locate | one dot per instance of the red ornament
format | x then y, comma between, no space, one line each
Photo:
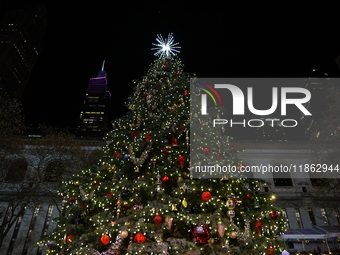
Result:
181,160
116,154
248,196
186,92
206,195
219,156
140,238
274,215
206,151
148,137
134,134
105,239
271,251
174,142
109,194
258,227
69,239
165,150
202,234
72,199
165,178
125,204
157,219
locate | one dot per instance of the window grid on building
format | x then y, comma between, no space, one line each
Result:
324,216
48,219
311,216
16,229
31,227
285,215
298,217
337,215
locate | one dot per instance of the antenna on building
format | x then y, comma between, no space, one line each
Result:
103,65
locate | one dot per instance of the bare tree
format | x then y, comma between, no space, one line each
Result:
11,127
33,168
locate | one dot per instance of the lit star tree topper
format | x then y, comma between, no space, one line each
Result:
165,47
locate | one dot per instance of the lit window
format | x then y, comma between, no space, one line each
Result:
298,217
284,215
337,215
324,216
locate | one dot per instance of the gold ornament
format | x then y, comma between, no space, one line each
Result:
76,182
159,189
231,214
184,203
174,208
173,108
124,234
230,204
113,168
136,169
224,180
211,240
154,161
233,234
184,187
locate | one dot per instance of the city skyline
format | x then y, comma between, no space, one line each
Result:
215,42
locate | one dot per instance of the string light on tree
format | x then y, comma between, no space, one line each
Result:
142,199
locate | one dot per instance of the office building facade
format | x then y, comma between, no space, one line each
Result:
21,41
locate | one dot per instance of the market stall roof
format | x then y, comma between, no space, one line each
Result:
317,232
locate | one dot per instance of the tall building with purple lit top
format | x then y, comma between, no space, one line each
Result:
93,120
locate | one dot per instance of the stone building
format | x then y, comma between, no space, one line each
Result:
29,200
309,199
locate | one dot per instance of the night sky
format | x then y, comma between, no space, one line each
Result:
236,40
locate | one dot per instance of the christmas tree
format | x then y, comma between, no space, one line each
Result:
142,197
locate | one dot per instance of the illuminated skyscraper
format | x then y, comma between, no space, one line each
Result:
93,120
318,84
21,39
